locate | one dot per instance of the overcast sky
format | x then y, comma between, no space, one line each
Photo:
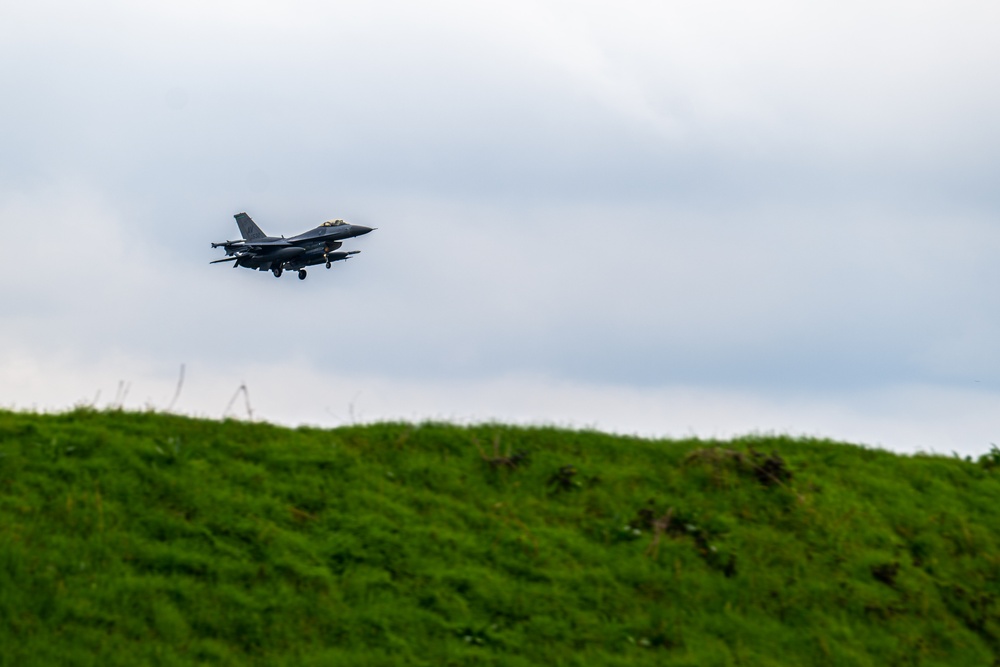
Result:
662,218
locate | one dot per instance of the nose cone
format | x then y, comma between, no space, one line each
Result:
360,230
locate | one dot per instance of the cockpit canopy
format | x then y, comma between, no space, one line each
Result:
333,223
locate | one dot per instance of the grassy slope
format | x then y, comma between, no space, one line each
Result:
149,539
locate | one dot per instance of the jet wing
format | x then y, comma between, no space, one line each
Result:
255,243
271,243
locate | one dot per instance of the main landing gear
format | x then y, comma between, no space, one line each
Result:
277,271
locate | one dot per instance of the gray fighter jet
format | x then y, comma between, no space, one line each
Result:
256,250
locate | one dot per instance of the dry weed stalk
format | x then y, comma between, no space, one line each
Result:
507,460
660,526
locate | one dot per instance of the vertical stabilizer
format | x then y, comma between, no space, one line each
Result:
248,227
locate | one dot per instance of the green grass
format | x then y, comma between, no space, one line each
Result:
139,538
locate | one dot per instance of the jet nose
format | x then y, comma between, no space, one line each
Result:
360,230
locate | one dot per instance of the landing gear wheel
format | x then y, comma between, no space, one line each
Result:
276,272
302,274
328,265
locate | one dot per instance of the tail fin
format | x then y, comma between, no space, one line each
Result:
248,227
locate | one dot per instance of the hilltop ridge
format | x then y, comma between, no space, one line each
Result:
142,538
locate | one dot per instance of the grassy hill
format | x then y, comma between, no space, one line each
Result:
132,538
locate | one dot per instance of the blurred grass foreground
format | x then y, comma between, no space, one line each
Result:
151,539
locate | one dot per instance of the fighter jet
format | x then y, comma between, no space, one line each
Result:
256,250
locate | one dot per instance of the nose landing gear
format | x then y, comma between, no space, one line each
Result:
327,249
302,274
276,272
